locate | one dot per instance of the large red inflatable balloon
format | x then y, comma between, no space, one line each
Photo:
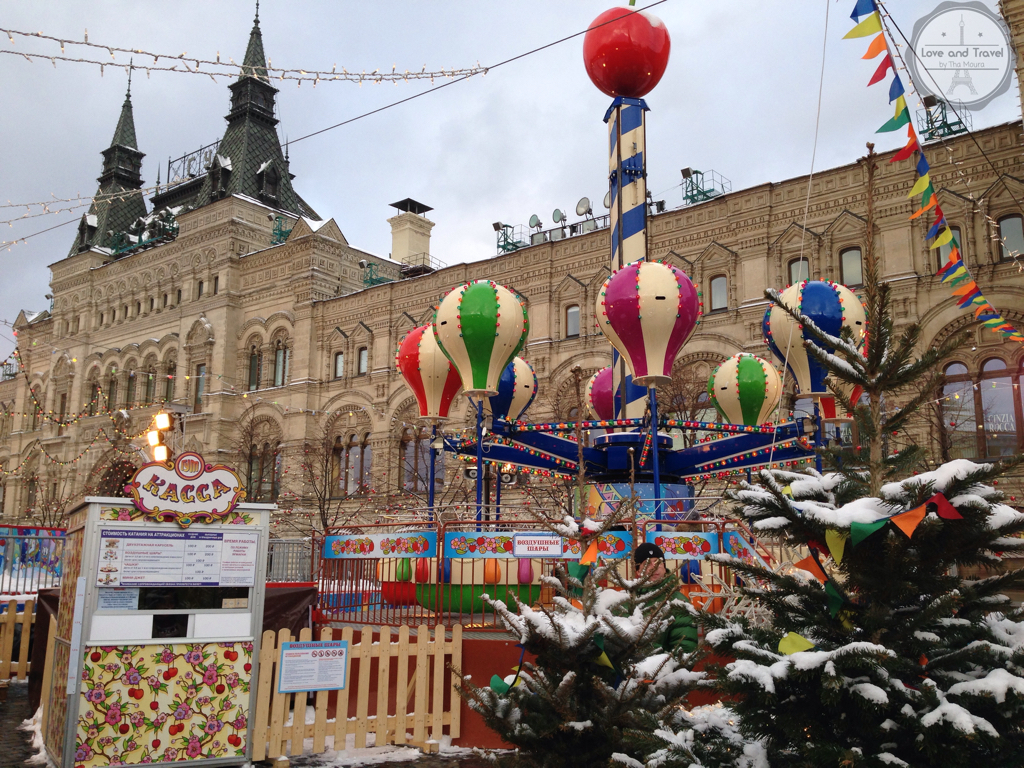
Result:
627,56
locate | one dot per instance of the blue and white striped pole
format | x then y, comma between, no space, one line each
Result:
627,177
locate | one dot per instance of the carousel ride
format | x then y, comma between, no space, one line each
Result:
647,310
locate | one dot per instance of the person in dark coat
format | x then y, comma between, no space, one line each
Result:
682,631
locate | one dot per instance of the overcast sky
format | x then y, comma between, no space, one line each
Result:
739,96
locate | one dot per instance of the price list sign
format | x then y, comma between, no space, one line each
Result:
177,558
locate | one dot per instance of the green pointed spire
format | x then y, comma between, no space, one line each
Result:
255,62
124,134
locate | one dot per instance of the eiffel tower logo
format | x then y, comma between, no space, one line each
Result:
961,77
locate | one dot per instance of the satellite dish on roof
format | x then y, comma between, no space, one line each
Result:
583,207
608,200
535,221
557,216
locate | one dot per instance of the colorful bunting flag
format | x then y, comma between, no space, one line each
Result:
870,26
895,89
882,69
810,565
863,8
942,239
877,46
908,150
860,531
835,600
836,541
590,556
908,521
794,643
920,185
943,508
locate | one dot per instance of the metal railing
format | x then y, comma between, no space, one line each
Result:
289,560
29,563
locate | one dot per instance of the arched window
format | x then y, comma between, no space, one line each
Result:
255,366
172,366
945,250
339,365
1011,237
264,470
415,453
353,464
719,293
982,414
572,321
34,409
200,387
129,396
851,268
112,392
282,358
364,360
95,393
150,385
799,270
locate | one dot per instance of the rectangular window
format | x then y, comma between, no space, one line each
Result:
169,387
165,299
178,300
200,387
130,394
200,291
339,364
150,386
280,355
152,302
62,412
572,321
798,271
1011,236
851,268
216,284
254,371
364,360
719,293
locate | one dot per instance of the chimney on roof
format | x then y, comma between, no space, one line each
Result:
410,233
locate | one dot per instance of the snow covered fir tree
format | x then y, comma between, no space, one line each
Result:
876,651
610,666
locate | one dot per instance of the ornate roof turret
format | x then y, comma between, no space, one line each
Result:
118,202
249,159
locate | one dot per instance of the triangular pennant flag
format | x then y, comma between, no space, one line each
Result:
895,123
943,508
922,165
895,88
590,556
959,270
901,107
923,208
880,72
907,151
836,541
966,289
908,521
959,279
876,47
945,237
939,224
860,531
810,565
794,643
920,186
870,26
863,8
969,298
498,685
835,600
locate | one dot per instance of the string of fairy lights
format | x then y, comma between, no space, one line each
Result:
216,67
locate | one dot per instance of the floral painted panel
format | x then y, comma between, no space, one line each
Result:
128,514
171,703
57,709
72,569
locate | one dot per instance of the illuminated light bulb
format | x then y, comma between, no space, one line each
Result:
160,453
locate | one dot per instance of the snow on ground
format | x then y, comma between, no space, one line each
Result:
35,729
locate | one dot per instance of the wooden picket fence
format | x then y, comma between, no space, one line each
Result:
423,686
10,618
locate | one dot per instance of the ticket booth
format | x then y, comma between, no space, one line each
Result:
160,617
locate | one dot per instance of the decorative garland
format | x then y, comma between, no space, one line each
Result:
954,272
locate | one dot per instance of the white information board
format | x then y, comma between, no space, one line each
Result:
154,558
118,599
536,545
313,666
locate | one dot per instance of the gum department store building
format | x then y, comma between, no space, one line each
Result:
231,299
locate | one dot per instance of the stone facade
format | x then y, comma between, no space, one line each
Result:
244,335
